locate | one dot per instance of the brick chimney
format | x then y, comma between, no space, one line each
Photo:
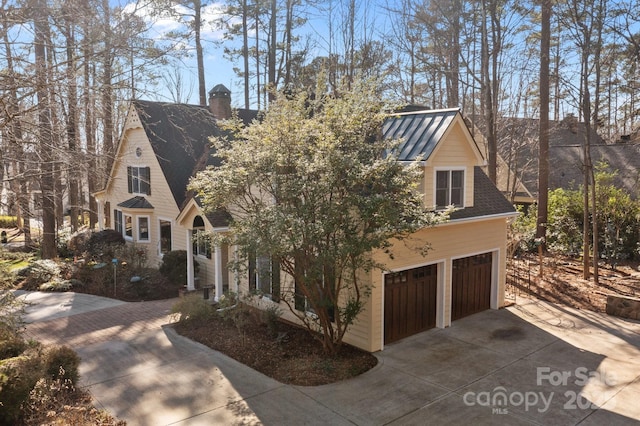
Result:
220,102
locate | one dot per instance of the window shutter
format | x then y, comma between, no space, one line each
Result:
129,180
275,279
252,270
147,180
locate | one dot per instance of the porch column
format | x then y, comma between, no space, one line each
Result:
100,208
190,272
217,252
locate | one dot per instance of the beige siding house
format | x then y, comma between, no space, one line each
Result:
463,272
146,198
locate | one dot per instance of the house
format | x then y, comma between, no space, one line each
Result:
519,147
162,145
145,198
464,272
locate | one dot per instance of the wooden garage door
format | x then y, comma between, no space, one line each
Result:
471,285
409,302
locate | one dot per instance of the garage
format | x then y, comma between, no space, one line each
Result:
409,302
471,285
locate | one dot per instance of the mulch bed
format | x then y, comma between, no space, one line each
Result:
291,355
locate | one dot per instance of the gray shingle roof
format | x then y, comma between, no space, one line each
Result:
420,131
519,146
487,199
136,202
566,165
179,135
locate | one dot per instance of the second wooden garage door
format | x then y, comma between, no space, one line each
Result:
471,285
409,302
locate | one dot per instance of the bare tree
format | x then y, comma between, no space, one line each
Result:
39,13
543,149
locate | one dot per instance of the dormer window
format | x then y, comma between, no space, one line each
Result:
139,180
449,188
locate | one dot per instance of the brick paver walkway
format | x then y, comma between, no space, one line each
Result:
116,323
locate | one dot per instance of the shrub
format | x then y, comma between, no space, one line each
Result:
57,285
96,279
18,376
63,239
58,402
6,277
11,343
192,307
174,267
151,285
8,221
103,245
46,398
241,313
522,232
11,311
133,256
61,362
78,242
271,317
38,273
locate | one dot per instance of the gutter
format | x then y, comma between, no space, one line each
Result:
480,218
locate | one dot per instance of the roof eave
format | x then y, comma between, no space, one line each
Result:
480,218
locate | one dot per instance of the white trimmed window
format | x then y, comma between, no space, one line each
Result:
117,220
264,276
449,188
139,180
143,228
128,227
165,236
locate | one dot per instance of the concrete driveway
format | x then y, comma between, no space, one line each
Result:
532,363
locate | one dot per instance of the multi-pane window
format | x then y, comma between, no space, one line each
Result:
128,227
449,188
325,293
139,180
117,218
165,236
143,228
201,243
264,276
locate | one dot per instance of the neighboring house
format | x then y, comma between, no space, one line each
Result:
463,273
519,142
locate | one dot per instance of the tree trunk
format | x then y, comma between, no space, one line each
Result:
245,51
72,125
197,27
13,138
543,155
453,74
107,92
589,177
586,273
492,151
258,70
89,127
48,245
273,41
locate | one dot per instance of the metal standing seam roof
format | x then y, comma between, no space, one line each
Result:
420,131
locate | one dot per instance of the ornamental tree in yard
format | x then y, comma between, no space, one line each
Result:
315,189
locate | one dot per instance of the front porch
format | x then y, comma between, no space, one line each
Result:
209,274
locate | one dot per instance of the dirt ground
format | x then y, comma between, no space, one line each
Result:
562,281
